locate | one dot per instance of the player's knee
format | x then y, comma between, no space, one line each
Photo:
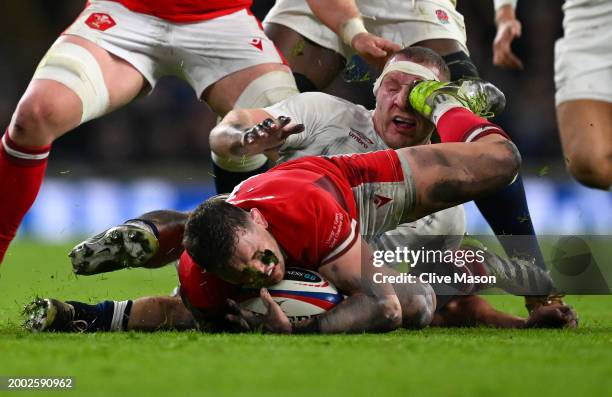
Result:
592,167
34,121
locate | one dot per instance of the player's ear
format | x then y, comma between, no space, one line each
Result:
258,217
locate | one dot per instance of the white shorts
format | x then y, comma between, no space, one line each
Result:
399,22
583,64
200,53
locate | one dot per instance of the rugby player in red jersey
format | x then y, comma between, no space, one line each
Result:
117,50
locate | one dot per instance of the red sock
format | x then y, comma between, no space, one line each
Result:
461,125
21,173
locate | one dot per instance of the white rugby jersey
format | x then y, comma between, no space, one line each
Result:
335,126
403,10
586,14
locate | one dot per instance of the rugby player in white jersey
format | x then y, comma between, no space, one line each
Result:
117,50
333,126
583,80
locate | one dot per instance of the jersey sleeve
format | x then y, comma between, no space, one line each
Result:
336,229
310,109
203,293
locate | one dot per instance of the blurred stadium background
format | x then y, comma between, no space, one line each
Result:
154,153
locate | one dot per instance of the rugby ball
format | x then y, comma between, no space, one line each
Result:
301,295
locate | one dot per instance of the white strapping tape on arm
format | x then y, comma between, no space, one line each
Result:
352,28
76,68
407,67
500,3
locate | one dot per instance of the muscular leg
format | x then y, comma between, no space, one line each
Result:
472,311
169,226
223,94
147,314
156,313
584,126
46,111
318,65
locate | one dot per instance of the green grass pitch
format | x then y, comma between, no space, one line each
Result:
432,362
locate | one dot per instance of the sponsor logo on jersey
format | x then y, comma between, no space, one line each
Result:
442,16
379,200
361,138
334,235
257,43
100,21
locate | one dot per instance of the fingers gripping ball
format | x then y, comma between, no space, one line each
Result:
302,294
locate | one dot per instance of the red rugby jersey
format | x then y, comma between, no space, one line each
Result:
310,209
185,10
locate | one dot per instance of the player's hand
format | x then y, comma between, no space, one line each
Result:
552,316
503,57
373,49
275,320
269,134
243,320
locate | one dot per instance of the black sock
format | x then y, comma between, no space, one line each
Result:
225,181
105,316
507,212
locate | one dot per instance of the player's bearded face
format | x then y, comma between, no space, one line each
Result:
394,120
257,262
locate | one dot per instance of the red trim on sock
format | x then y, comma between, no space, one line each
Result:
25,149
457,124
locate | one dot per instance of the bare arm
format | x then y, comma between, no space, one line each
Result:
370,306
247,132
344,18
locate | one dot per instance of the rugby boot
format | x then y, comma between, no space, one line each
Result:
52,315
481,97
513,275
119,247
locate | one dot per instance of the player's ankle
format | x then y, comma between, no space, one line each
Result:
104,316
